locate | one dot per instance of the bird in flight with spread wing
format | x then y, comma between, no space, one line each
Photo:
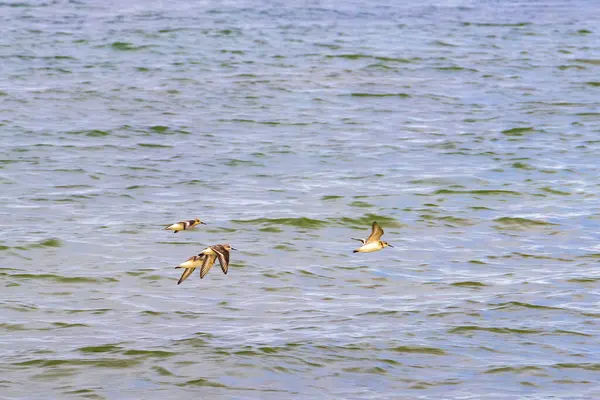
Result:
205,260
373,242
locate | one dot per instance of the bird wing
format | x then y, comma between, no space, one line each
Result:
186,224
376,233
223,255
360,240
207,264
190,266
187,272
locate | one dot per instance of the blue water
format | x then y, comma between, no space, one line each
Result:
467,129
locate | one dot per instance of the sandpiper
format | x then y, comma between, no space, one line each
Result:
373,242
183,225
205,260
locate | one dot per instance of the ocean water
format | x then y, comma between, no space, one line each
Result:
470,130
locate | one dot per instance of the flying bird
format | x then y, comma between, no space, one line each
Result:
373,242
183,225
205,260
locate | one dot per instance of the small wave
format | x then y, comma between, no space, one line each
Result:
106,348
517,131
516,370
62,279
302,222
586,366
90,133
100,363
520,223
472,284
474,328
448,220
483,192
126,46
518,304
403,95
155,145
202,382
52,242
418,349
378,58
367,219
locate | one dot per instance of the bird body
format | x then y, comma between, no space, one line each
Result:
373,242
205,260
184,225
370,247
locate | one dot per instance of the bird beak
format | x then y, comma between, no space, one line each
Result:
389,245
233,249
203,223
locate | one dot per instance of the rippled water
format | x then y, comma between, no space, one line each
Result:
468,129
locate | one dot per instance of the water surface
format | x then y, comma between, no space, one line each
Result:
468,130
